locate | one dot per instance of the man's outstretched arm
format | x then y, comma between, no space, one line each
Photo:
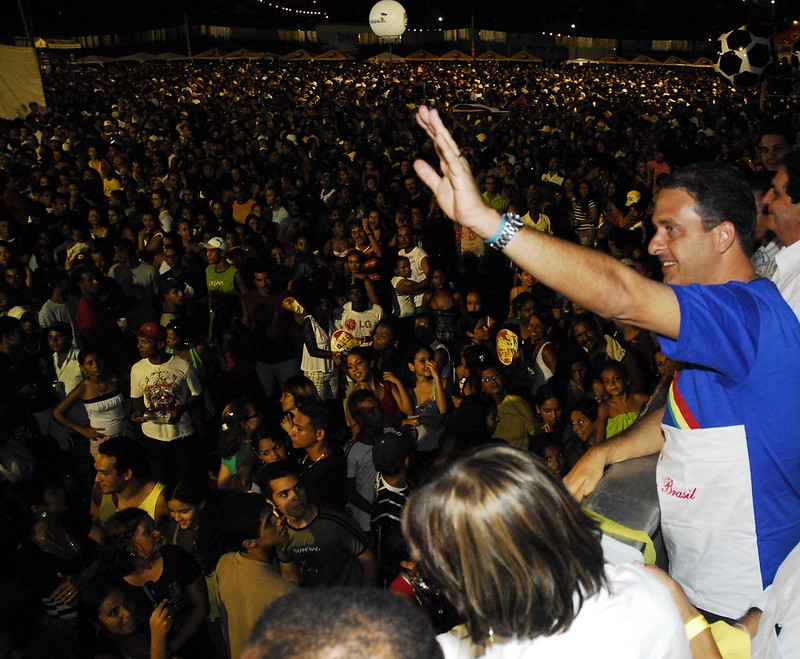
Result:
593,280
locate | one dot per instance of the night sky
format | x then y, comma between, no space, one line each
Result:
621,18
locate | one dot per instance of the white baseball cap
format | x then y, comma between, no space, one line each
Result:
216,243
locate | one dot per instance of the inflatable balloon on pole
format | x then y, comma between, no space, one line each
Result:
744,58
388,20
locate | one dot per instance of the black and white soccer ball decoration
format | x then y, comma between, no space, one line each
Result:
744,58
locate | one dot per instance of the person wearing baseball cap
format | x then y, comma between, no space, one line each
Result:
223,279
216,243
634,215
392,456
163,387
358,315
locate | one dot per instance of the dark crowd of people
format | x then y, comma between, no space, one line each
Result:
237,331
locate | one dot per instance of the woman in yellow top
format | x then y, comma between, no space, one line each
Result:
515,417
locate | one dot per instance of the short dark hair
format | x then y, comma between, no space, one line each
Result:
8,325
126,246
60,327
238,517
274,471
318,413
358,397
586,406
128,455
81,270
521,299
775,128
346,622
792,164
721,194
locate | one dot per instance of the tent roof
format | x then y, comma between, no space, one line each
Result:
386,56
137,57
214,53
644,59
491,55
95,59
332,55
297,55
611,58
246,53
421,54
455,54
171,57
676,61
703,61
524,56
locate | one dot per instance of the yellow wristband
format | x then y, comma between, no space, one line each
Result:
695,626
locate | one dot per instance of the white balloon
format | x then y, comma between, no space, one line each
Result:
388,18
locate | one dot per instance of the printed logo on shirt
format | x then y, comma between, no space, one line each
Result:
678,494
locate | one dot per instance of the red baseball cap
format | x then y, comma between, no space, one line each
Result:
152,330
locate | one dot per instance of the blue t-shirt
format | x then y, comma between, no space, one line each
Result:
729,477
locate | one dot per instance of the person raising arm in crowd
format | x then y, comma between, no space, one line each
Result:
704,217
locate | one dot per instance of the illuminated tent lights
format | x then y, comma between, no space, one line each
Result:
297,11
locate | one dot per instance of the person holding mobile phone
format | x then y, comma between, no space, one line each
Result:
114,617
151,572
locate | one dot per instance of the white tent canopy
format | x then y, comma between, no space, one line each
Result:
20,81
387,57
137,57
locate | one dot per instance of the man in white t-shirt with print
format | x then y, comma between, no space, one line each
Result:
359,316
163,387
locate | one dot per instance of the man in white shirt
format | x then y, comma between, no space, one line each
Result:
358,316
163,387
418,257
160,201
783,202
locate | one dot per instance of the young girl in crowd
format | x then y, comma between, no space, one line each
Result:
388,389
443,304
318,361
102,396
430,401
549,410
540,353
114,617
621,407
270,445
523,283
189,501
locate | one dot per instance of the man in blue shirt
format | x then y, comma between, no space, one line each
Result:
730,455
